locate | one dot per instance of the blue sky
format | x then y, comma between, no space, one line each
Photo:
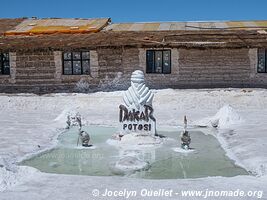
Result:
138,10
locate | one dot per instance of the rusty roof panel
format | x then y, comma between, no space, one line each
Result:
181,26
151,26
137,27
7,24
177,26
261,23
220,25
192,26
49,26
164,26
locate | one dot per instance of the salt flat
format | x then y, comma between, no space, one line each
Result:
27,121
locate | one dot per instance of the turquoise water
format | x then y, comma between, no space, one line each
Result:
208,158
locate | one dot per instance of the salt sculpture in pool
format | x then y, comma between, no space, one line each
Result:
137,113
185,137
137,127
74,120
83,136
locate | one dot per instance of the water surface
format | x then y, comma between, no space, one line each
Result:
208,159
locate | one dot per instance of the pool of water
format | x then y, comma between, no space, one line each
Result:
208,158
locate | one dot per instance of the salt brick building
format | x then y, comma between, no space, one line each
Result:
56,55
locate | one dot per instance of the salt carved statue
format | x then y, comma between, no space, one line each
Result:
74,120
136,115
185,137
84,137
79,120
68,122
138,94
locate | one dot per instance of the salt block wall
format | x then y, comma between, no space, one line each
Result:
35,68
216,67
198,68
110,62
190,68
28,71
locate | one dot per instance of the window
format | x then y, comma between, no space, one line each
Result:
76,63
262,68
4,64
158,61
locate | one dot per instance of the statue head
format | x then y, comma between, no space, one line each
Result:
137,77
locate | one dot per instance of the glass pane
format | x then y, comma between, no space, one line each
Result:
6,68
86,67
158,61
76,55
67,67
67,56
5,56
85,55
261,60
167,62
77,67
150,61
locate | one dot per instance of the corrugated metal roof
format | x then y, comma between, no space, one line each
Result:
50,26
8,24
166,26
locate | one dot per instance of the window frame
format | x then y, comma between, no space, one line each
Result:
162,61
2,62
72,60
258,61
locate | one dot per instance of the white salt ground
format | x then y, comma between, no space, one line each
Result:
30,124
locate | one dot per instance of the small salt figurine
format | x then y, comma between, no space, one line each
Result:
68,122
79,120
185,136
84,137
